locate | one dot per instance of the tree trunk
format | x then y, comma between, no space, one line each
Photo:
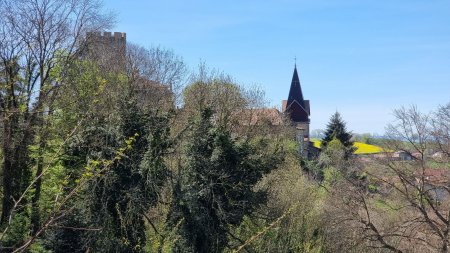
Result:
445,241
16,172
7,203
36,216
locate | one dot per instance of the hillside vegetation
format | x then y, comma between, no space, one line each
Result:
139,155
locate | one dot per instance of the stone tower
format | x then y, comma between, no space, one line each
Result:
107,49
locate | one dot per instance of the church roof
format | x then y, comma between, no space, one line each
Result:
260,116
297,108
295,92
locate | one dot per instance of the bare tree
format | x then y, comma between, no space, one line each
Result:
37,36
441,133
406,206
215,90
156,65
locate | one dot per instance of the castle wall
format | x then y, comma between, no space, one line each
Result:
108,49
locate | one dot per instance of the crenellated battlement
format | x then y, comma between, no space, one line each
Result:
107,48
107,35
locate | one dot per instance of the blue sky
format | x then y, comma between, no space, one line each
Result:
362,58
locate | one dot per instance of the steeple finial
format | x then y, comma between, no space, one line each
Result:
295,61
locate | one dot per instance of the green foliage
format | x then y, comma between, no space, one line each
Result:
331,176
17,232
38,247
88,93
336,129
215,188
334,151
294,199
372,188
121,198
123,163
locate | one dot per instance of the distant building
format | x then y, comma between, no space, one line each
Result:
435,183
295,106
260,116
107,49
151,94
297,109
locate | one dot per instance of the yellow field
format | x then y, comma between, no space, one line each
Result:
361,148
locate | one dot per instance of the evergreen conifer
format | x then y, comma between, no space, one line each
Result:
216,186
336,129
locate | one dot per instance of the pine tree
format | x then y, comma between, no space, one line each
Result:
216,187
116,200
336,129
134,182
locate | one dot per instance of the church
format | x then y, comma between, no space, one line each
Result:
294,116
297,110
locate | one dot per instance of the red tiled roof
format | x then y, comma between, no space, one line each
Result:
251,117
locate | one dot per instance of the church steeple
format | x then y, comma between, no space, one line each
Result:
296,106
296,109
295,92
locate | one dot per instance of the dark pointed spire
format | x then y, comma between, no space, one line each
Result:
296,106
295,92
